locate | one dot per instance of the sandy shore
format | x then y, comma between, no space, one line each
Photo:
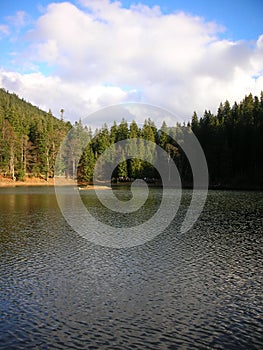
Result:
95,187
35,181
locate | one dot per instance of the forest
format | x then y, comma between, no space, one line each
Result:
232,141
29,138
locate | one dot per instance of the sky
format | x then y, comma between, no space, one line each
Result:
84,55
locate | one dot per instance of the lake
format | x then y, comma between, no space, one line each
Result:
198,290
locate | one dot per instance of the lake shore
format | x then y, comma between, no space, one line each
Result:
29,181
36,181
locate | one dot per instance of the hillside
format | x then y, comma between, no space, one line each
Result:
29,138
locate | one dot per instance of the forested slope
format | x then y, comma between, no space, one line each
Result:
232,140
29,138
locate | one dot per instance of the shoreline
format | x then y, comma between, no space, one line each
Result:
8,182
36,181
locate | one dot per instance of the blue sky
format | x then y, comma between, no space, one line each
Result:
95,52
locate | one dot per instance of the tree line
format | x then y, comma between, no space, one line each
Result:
231,140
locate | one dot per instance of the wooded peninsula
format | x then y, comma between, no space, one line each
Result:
232,141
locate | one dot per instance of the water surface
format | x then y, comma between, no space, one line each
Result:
199,290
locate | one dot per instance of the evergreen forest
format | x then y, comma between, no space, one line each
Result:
29,138
232,141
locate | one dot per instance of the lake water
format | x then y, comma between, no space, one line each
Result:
199,290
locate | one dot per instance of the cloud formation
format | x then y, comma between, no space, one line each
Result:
4,30
101,53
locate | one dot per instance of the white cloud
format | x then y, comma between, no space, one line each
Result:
53,93
14,25
4,30
19,20
102,53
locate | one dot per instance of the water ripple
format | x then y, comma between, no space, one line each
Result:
197,291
